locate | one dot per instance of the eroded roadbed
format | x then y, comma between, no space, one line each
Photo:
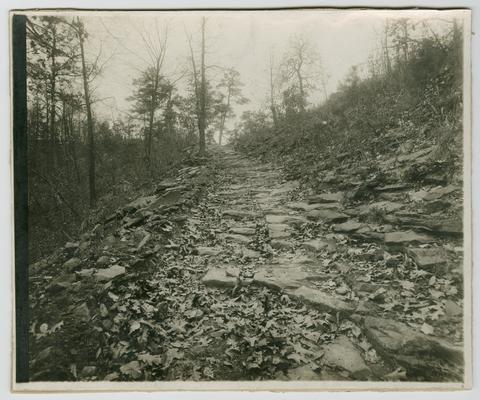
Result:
229,272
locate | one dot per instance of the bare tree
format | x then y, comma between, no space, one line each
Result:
386,53
301,63
156,50
273,106
203,95
91,138
55,64
231,85
200,88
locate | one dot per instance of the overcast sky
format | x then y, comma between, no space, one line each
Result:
240,39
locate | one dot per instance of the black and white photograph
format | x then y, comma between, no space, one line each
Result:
257,199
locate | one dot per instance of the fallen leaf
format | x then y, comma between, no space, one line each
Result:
170,356
131,369
56,327
427,329
436,294
400,374
407,285
44,328
150,359
134,326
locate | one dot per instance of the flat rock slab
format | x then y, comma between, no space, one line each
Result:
294,259
326,198
252,254
243,231
176,189
72,264
81,312
38,266
300,206
322,300
70,247
278,231
131,222
418,195
331,177
452,309
236,238
166,183
326,206
261,194
349,226
315,245
232,193
103,260
280,279
260,190
141,202
208,251
398,338
218,277
239,214
62,282
303,373
385,206
391,188
329,216
284,219
418,156
368,234
267,204
449,227
427,258
107,274
281,244
342,354
406,237
236,186
440,191
274,210
436,206
276,219
85,273
232,271
285,188
395,197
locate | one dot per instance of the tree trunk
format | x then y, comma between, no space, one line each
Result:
222,124
91,139
151,116
71,128
36,133
148,141
170,118
324,87
224,116
388,64
273,107
64,132
302,91
203,95
53,83
405,42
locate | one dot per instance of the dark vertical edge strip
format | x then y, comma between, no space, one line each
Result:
20,195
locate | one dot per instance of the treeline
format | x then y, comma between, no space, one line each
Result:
410,89
82,166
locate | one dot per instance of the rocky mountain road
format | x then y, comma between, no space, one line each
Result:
231,272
